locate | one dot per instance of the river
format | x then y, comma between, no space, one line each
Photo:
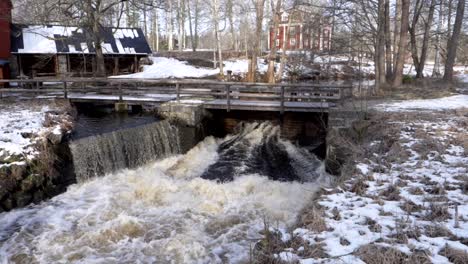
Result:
172,210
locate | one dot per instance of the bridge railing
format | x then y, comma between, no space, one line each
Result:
123,89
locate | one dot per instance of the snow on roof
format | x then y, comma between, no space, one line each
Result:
39,39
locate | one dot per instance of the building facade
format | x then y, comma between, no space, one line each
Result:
298,30
30,51
5,32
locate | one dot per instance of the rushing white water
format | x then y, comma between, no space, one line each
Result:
160,213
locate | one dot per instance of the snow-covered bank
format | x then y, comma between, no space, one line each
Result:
30,133
172,68
439,104
405,200
22,124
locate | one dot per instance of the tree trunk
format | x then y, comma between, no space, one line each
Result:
388,41
215,10
259,11
272,56
229,11
436,70
284,57
170,41
401,54
197,12
425,44
452,44
380,47
192,40
396,36
412,30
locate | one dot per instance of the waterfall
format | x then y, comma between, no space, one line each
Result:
258,148
126,148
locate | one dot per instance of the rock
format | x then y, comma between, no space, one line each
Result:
32,181
8,204
55,138
22,199
26,134
38,196
18,171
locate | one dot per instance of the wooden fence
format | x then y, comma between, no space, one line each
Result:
169,89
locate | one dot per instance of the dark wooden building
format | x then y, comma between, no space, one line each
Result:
58,51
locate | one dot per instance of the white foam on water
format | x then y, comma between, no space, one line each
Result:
160,213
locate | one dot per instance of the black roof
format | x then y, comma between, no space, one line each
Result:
51,39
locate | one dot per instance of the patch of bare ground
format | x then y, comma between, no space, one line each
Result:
427,88
454,255
312,218
376,254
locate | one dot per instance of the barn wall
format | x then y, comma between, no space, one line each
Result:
5,19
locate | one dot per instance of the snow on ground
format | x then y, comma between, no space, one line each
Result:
22,125
172,68
16,127
169,68
405,195
445,103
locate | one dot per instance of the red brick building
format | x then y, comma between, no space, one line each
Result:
299,30
5,19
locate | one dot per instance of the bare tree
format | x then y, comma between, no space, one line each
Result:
272,56
452,44
403,39
259,6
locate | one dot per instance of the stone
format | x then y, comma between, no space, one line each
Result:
31,182
121,107
22,199
187,114
38,196
55,138
18,171
7,204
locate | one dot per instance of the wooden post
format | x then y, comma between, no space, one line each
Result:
228,97
282,100
120,92
116,65
65,92
136,64
178,91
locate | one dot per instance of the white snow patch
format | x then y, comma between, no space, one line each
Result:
445,103
16,121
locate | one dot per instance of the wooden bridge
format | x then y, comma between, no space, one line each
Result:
282,97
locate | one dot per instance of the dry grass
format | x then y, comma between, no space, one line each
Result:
437,231
375,254
455,256
359,186
437,212
311,218
410,207
391,193
373,226
416,191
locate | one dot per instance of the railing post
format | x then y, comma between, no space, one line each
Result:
178,92
282,100
120,92
65,92
228,97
